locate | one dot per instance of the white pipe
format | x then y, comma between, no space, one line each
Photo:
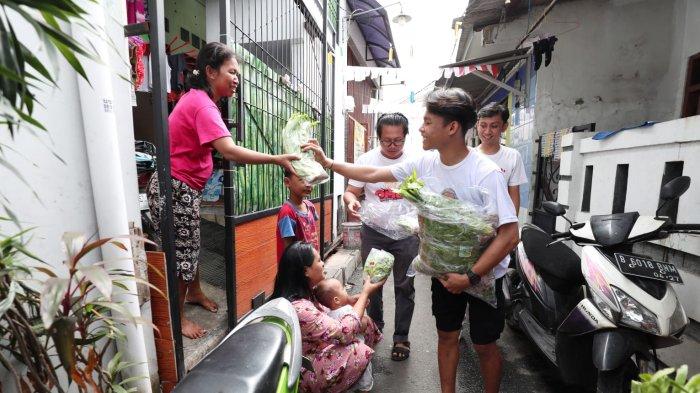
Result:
100,127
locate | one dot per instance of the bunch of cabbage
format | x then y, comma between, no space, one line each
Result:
297,132
378,265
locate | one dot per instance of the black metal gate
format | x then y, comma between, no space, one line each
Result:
279,45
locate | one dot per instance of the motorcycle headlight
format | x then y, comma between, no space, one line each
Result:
600,290
602,305
678,319
634,315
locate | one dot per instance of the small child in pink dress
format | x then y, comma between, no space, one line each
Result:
332,294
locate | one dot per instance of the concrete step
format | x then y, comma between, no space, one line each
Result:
342,264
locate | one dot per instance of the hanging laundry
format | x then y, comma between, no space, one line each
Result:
136,11
137,49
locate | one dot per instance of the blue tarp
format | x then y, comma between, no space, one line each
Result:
606,134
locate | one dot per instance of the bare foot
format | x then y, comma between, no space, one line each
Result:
191,329
201,299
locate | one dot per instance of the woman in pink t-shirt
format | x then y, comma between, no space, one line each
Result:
196,129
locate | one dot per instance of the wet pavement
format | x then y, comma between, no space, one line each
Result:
524,369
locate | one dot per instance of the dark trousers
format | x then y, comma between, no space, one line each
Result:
404,251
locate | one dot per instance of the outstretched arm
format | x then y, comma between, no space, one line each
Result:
363,173
232,152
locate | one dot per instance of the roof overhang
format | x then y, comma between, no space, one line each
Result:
472,75
376,31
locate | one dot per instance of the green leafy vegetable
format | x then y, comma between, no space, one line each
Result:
453,233
295,133
378,265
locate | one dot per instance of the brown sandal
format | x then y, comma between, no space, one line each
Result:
401,351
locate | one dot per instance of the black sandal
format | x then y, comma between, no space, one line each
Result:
400,351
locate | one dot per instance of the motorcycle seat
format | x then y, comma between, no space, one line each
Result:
249,361
558,265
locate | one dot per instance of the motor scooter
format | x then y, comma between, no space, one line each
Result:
262,354
145,157
598,317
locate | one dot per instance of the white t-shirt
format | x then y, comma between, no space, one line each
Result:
474,170
511,164
381,204
374,157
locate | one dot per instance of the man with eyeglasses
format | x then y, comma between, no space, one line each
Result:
392,129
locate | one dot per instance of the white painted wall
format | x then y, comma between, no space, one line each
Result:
617,63
64,192
646,150
64,200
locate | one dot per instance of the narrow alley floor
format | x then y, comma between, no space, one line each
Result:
525,369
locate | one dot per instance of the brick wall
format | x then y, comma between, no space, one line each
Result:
256,257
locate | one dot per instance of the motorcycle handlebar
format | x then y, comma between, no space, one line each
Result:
682,227
559,235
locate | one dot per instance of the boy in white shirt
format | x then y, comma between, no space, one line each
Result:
492,121
454,168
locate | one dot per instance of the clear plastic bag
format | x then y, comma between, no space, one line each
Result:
453,233
396,219
296,133
378,265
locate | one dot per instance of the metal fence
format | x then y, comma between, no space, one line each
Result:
279,45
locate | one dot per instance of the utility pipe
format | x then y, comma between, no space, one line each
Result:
107,179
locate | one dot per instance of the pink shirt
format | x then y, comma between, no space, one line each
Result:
194,123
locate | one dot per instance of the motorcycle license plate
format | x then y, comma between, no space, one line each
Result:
647,268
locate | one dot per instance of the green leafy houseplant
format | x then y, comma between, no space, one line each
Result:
661,382
67,322
20,69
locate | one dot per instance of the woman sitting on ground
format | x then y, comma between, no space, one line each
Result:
337,355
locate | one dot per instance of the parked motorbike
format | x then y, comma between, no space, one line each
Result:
261,355
600,317
145,157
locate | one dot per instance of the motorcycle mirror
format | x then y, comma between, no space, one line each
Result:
675,188
578,225
672,190
554,208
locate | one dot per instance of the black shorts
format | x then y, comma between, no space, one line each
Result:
485,322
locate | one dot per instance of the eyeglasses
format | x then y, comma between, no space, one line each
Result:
389,142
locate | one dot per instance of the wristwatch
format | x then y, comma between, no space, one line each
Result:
474,279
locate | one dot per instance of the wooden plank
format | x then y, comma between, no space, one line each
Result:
160,309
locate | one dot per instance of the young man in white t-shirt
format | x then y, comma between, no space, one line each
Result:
492,121
392,129
453,167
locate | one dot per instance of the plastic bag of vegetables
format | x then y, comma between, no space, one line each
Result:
453,233
297,132
378,265
396,219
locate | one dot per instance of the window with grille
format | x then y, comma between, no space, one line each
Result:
691,97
